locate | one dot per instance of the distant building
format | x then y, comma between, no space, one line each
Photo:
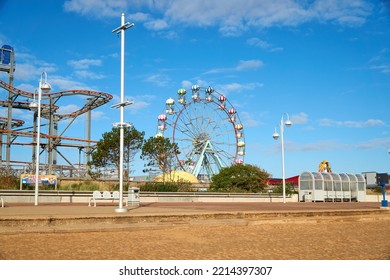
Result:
374,179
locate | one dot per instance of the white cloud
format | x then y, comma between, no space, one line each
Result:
98,115
248,120
138,105
30,68
158,79
186,84
323,145
263,44
237,87
334,145
348,13
249,64
355,124
242,65
374,144
156,25
27,87
64,83
231,17
139,17
381,61
84,63
67,109
96,8
89,75
300,118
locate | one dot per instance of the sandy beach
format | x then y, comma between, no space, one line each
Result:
340,237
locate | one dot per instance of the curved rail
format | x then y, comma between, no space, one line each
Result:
98,99
15,122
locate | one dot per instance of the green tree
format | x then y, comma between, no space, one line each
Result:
240,178
160,154
106,154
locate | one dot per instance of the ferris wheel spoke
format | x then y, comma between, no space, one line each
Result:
222,133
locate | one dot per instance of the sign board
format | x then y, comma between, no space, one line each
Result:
29,179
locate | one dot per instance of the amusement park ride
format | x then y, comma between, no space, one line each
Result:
206,128
54,139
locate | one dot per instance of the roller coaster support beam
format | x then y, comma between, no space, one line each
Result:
10,100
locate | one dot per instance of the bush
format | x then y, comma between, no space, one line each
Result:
167,187
8,179
82,186
278,188
240,178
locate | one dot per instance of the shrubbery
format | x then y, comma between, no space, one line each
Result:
8,180
240,178
166,187
82,186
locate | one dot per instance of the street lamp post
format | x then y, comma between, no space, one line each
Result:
45,87
384,203
283,123
121,29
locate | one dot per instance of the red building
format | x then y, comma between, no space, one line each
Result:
278,181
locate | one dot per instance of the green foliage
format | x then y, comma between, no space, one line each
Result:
160,154
82,186
41,187
240,178
167,187
289,188
107,152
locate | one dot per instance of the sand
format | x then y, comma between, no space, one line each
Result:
327,238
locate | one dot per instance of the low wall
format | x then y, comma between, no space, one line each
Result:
109,184
84,197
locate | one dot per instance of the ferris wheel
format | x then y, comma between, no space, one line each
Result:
206,128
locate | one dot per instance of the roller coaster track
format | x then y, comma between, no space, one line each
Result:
96,100
45,136
49,111
15,122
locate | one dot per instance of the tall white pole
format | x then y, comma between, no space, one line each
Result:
122,124
38,143
283,176
122,113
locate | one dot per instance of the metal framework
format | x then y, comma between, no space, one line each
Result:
53,139
207,130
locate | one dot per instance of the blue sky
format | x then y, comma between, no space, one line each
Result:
326,63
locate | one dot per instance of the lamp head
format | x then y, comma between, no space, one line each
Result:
275,135
45,87
288,123
33,105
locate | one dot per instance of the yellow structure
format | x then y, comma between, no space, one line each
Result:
324,167
177,176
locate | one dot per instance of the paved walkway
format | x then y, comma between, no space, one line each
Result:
19,210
